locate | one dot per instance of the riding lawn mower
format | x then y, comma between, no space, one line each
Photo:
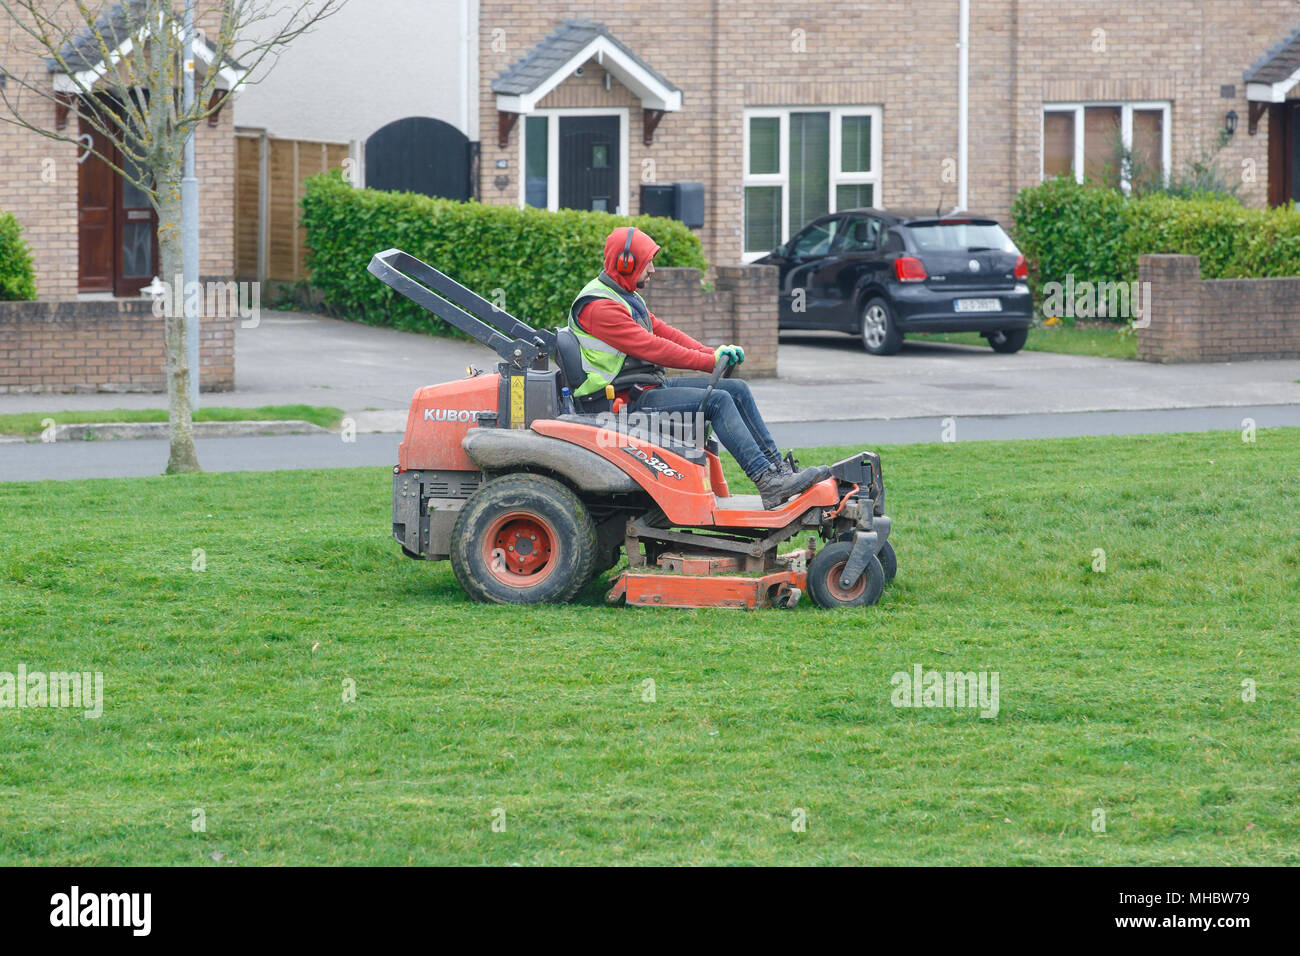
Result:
530,498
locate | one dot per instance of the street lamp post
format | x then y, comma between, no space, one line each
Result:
190,215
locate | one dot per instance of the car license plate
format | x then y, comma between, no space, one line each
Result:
978,305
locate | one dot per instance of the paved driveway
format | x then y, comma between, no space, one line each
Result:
829,376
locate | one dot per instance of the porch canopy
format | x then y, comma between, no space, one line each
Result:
1272,78
523,85
123,29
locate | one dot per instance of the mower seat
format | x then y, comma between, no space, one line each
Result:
568,356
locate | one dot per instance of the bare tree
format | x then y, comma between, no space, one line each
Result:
118,66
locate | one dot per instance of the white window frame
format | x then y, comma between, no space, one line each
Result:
553,152
837,176
1125,132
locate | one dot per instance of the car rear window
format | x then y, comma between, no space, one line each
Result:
961,237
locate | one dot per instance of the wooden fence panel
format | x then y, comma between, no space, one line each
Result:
273,248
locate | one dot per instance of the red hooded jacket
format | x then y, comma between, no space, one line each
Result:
610,322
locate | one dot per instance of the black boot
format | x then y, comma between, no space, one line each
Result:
776,488
789,465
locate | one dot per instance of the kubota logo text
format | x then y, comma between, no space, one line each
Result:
653,462
449,415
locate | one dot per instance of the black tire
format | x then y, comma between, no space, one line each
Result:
888,561
606,557
878,330
1008,340
518,512
824,573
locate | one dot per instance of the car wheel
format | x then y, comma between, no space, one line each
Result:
1008,341
880,336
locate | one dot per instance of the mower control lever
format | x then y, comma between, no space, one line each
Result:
719,370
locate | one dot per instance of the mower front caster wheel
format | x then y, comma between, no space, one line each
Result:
888,561
523,539
824,578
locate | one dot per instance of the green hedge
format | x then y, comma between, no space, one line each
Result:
1096,234
538,259
17,278
1063,228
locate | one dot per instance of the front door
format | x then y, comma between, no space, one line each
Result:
96,202
590,164
117,229
1283,153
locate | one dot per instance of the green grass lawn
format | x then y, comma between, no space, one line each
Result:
30,423
1100,341
224,688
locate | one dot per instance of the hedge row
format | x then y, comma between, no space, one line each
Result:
538,259
17,278
1096,234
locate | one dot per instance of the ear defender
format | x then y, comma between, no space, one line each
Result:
626,262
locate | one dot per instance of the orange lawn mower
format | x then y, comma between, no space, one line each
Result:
531,500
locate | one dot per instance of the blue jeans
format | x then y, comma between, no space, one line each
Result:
731,410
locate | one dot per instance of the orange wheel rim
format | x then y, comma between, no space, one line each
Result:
519,549
845,595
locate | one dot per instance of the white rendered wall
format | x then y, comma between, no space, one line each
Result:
372,62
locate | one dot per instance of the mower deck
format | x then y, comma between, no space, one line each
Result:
702,580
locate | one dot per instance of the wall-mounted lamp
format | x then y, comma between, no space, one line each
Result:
1230,122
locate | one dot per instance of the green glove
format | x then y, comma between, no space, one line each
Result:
734,353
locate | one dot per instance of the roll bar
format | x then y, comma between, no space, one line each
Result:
516,342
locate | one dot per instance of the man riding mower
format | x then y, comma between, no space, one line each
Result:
625,345
521,479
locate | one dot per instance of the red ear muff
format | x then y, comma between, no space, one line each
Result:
626,262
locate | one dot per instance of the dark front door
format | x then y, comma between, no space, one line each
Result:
96,202
1284,153
117,229
590,166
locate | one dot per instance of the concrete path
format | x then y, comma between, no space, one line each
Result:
119,459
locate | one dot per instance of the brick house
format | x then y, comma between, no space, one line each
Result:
90,231
787,112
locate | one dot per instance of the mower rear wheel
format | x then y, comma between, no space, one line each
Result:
824,578
523,539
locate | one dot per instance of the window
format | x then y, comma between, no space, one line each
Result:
804,163
815,240
535,160
958,236
860,235
1113,143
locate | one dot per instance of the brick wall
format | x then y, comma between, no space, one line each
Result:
101,346
741,310
1219,320
899,55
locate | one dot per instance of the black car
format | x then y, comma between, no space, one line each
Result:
880,275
